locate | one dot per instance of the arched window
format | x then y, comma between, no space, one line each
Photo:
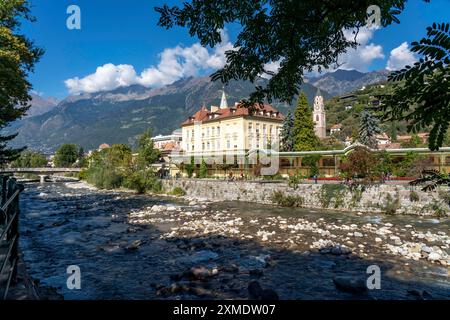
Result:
317,118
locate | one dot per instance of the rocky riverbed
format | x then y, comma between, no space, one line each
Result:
146,247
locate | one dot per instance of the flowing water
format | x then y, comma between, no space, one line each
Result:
147,258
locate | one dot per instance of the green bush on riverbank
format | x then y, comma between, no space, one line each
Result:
115,167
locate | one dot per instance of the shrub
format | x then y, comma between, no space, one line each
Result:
142,181
279,198
391,205
295,180
203,170
445,195
330,192
413,196
178,191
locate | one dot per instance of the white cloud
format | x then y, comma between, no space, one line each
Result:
175,63
359,58
362,56
400,57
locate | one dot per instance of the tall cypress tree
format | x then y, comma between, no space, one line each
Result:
303,131
368,129
287,137
17,58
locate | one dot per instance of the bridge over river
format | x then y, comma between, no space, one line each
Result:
41,172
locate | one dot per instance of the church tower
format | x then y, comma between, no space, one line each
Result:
319,116
223,102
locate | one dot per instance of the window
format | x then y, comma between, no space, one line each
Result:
203,146
207,146
228,144
192,147
218,145
212,131
264,129
218,131
207,132
317,118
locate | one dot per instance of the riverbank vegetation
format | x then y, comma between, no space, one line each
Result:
117,166
30,159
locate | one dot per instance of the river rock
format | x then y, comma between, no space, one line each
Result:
254,290
198,273
134,245
426,249
433,256
357,234
350,284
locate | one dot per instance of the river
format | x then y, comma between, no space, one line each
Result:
146,247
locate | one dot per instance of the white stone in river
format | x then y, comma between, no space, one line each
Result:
358,234
378,240
433,256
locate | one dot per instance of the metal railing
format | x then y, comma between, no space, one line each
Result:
9,233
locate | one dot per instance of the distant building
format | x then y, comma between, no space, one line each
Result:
168,142
348,141
407,138
319,116
383,139
230,130
335,128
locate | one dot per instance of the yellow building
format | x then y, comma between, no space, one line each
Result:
230,130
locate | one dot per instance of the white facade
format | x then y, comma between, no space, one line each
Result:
161,141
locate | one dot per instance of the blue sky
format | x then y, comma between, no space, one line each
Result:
122,38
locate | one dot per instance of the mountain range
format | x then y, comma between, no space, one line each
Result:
340,81
40,105
120,115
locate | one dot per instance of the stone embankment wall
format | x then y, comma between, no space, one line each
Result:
391,199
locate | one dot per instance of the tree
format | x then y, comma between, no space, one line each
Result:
359,164
298,35
147,153
190,167
303,131
422,91
66,155
312,162
415,142
332,143
30,159
368,130
287,138
203,170
18,56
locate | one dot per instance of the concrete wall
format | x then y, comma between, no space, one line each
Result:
393,199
